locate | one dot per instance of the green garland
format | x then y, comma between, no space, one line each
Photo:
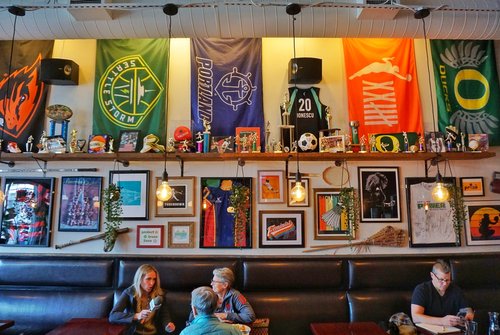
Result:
240,203
112,206
350,205
458,210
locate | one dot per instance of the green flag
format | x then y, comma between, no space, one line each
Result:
130,85
467,87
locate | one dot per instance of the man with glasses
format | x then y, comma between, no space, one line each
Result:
439,301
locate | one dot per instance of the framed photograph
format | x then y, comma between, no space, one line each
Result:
271,186
430,223
481,225
293,203
478,142
134,186
222,144
27,212
379,189
128,140
182,202
150,236
281,229
330,219
434,141
226,212
247,139
181,234
332,143
472,186
80,208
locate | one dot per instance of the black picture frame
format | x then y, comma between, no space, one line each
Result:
379,190
134,191
430,223
129,140
79,206
27,212
281,229
216,206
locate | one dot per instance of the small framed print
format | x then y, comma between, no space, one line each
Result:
181,234
293,203
331,220
80,204
281,229
333,143
478,142
134,186
182,202
247,139
222,144
434,141
481,224
150,236
472,186
271,188
98,144
128,140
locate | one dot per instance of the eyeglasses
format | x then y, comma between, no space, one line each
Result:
441,280
216,281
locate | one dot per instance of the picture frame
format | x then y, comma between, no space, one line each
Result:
183,201
330,220
134,186
281,229
434,141
478,142
422,210
27,212
481,224
293,203
379,191
270,184
226,202
80,204
222,144
181,234
150,236
472,186
331,143
128,140
247,139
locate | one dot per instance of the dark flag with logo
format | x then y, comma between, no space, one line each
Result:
130,86
467,87
22,94
226,85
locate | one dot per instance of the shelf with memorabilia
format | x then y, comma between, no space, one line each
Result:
207,157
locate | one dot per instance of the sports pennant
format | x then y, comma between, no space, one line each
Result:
382,85
467,87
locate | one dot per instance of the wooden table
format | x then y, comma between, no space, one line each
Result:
4,324
347,328
88,327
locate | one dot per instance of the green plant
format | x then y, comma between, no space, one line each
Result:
458,210
240,204
112,206
350,205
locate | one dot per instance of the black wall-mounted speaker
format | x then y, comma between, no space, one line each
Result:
57,71
305,70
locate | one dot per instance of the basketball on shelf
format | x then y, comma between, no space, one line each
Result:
308,142
182,133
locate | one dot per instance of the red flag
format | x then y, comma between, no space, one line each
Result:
382,85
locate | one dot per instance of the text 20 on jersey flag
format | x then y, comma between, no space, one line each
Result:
467,87
382,85
130,86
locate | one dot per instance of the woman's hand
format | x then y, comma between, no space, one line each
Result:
222,317
142,315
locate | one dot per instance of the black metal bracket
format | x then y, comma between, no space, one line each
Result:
434,161
181,164
9,163
123,162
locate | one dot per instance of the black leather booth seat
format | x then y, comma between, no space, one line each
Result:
42,292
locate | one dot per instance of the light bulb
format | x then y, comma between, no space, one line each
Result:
440,192
298,192
164,191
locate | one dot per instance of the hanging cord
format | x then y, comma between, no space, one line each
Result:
240,165
168,89
429,76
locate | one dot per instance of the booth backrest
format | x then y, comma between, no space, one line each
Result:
40,293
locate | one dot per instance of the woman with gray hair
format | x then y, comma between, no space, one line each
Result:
232,306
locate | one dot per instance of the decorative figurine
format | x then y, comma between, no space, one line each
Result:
42,145
348,147
421,141
464,147
72,143
278,147
362,146
80,143
405,142
268,133
12,147
199,142
171,144
206,136
373,144
110,145
29,144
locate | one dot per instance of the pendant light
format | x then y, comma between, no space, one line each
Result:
298,192
16,11
164,191
439,192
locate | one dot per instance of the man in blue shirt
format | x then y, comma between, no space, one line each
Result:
203,305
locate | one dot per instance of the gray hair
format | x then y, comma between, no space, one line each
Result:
204,299
441,266
225,274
